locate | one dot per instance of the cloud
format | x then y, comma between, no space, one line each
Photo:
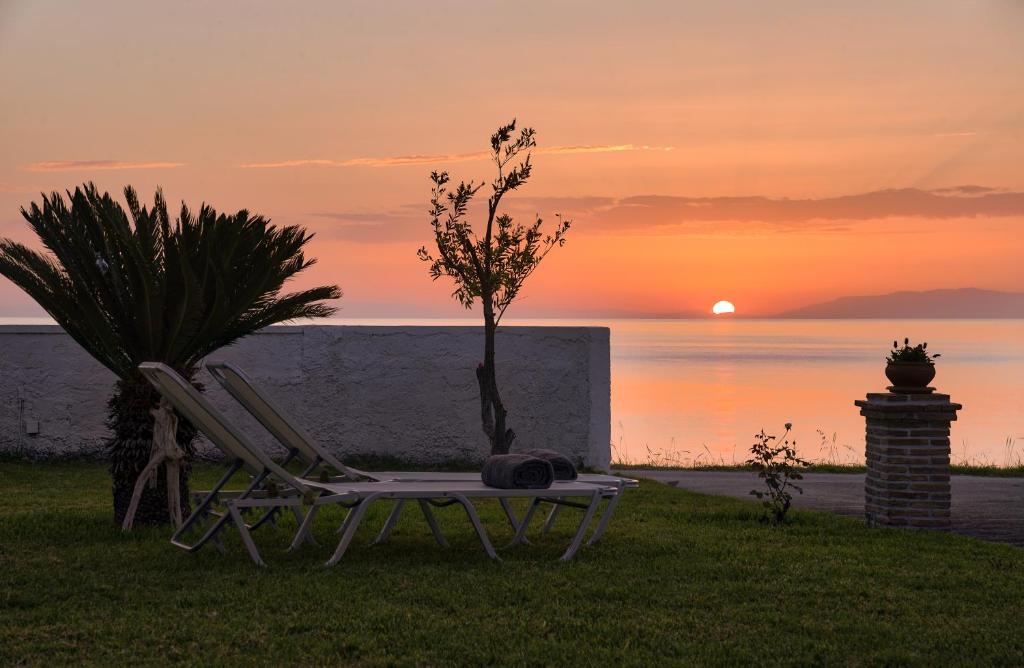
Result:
647,211
612,148
431,159
95,165
967,190
380,227
666,214
393,161
411,222
568,206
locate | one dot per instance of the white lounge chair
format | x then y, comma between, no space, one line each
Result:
240,386
295,492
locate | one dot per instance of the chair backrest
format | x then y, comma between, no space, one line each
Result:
270,415
207,419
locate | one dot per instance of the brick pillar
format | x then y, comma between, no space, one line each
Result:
907,483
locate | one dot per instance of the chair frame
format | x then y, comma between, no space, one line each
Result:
358,497
269,414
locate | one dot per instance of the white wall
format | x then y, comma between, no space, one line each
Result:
403,391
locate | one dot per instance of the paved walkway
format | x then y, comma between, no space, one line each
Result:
989,508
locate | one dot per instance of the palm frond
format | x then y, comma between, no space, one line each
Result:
132,286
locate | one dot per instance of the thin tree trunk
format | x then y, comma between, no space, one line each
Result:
492,411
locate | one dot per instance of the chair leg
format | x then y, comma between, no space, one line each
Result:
349,527
432,523
509,513
210,534
304,534
201,512
243,531
512,520
299,520
550,521
595,500
390,523
269,516
520,537
606,516
480,531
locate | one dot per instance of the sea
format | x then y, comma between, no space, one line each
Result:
698,391
691,392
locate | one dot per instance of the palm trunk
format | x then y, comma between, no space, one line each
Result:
492,411
130,448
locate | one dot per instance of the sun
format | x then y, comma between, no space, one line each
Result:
723,307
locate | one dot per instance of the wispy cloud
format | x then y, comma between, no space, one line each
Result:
968,190
604,148
393,161
668,214
95,165
373,227
428,159
958,202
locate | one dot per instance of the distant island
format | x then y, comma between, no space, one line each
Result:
953,303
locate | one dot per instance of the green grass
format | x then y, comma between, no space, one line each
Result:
955,469
679,578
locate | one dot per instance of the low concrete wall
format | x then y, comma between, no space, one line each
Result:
408,392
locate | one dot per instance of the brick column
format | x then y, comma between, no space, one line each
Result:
907,483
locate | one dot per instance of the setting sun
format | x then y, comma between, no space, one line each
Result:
723,307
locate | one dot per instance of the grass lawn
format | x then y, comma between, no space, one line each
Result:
678,578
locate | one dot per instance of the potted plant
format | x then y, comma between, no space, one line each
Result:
910,368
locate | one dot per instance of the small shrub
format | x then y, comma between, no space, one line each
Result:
777,464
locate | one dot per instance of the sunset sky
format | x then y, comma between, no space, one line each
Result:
705,151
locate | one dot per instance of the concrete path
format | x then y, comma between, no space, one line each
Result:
988,508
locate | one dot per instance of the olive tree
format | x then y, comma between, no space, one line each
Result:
493,267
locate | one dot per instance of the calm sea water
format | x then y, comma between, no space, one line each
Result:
686,391
698,390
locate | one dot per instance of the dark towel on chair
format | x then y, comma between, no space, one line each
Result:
517,472
564,469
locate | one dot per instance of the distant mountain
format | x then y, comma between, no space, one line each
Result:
955,303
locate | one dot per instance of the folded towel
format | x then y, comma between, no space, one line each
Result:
564,469
517,472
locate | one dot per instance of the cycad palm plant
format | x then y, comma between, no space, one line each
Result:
134,286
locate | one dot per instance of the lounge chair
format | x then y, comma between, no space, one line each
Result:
295,492
300,444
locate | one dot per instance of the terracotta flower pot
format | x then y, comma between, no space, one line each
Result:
910,375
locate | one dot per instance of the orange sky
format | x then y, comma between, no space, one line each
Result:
309,113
